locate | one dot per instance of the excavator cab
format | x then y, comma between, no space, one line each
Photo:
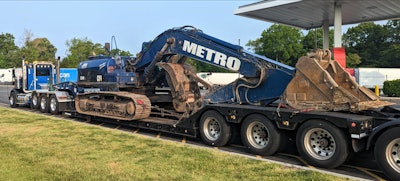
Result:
320,83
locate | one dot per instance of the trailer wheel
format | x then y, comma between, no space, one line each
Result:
54,105
34,101
44,103
13,99
322,144
213,129
387,153
260,136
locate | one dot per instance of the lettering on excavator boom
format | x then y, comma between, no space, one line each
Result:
216,57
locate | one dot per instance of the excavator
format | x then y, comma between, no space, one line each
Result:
317,82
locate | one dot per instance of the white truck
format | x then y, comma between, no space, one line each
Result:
6,76
371,77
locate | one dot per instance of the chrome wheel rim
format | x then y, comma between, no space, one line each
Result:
43,103
212,129
53,104
12,100
34,100
392,154
319,143
257,135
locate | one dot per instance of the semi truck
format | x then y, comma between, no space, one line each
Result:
317,103
35,83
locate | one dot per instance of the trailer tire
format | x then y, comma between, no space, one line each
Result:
214,130
13,99
44,103
35,101
322,144
54,105
387,153
260,136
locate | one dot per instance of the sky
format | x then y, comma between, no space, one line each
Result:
130,21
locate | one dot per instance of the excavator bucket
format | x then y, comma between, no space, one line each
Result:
185,91
320,83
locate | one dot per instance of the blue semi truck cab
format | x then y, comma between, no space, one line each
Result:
35,85
38,75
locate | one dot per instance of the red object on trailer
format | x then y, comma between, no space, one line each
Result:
339,55
351,71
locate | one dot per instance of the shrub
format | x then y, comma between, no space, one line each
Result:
391,88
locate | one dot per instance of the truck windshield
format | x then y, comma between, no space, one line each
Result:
42,71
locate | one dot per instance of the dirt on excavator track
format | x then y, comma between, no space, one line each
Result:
115,105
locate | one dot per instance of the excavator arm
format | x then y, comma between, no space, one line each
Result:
170,49
193,43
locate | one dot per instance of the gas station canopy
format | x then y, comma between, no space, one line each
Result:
308,14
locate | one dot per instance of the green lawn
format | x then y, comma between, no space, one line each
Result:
34,147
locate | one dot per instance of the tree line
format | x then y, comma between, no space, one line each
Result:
41,49
367,45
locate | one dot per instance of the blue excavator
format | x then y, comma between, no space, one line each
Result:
161,76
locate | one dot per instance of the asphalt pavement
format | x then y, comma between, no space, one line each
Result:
5,92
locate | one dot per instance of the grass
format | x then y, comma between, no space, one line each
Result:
35,147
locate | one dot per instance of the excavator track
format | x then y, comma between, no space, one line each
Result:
125,106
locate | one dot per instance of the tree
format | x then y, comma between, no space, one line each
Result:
121,52
8,50
79,50
279,42
390,57
352,60
393,27
367,40
39,49
314,39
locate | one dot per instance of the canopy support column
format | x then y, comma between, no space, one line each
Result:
325,40
338,26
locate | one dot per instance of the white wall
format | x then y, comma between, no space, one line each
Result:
370,77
